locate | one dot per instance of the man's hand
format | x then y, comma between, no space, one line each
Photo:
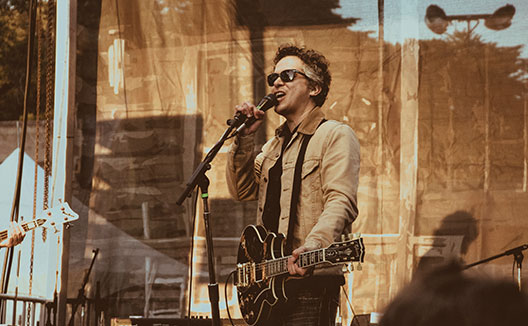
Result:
15,235
293,268
249,110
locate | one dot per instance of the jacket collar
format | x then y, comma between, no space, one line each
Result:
308,125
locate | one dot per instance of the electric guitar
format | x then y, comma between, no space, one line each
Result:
262,269
54,216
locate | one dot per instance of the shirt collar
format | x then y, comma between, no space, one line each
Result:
307,126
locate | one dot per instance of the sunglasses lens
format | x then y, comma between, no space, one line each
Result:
287,75
272,78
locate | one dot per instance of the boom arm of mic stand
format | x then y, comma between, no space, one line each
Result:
203,166
514,251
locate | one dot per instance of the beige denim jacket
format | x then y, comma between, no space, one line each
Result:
330,174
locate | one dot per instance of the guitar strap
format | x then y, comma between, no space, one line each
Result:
296,190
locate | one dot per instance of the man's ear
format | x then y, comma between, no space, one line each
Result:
315,89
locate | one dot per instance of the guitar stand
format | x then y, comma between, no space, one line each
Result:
199,179
517,256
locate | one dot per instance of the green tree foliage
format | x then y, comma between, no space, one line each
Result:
472,111
14,28
13,48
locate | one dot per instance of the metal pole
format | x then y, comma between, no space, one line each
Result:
63,132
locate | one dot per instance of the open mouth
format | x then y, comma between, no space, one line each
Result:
279,95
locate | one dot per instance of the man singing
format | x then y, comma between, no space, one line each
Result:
305,179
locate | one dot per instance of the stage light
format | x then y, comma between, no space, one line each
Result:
437,20
501,18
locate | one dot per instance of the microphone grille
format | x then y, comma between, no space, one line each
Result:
271,97
268,102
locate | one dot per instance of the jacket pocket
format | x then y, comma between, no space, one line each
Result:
309,167
311,195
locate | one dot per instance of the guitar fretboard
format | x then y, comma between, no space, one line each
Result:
25,226
280,266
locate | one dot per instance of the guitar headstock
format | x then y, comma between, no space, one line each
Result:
57,215
349,249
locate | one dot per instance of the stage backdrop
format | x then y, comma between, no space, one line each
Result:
442,122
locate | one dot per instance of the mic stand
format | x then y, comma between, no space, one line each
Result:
518,258
199,179
81,297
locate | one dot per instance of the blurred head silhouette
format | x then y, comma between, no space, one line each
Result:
445,296
459,224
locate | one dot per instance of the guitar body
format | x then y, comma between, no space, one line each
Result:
256,300
262,269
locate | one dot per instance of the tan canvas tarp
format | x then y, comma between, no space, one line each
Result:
442,125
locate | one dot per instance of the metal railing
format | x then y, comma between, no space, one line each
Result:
27,310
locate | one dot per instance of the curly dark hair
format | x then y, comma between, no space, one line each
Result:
316,67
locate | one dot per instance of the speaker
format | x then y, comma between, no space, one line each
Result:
361,320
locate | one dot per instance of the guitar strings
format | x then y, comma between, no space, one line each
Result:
279,266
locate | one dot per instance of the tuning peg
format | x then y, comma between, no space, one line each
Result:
347,268
343,237
359,267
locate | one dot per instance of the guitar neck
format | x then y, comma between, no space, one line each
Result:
280,266
27,226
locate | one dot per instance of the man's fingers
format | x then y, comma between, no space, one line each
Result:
16,234
246,108
293,268
259,114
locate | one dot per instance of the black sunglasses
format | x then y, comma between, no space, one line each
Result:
286,76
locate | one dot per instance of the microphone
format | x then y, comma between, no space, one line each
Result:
264,105
237,120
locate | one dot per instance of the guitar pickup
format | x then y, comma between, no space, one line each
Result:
245,274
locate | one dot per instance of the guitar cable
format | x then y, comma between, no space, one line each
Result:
225,294
349,303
